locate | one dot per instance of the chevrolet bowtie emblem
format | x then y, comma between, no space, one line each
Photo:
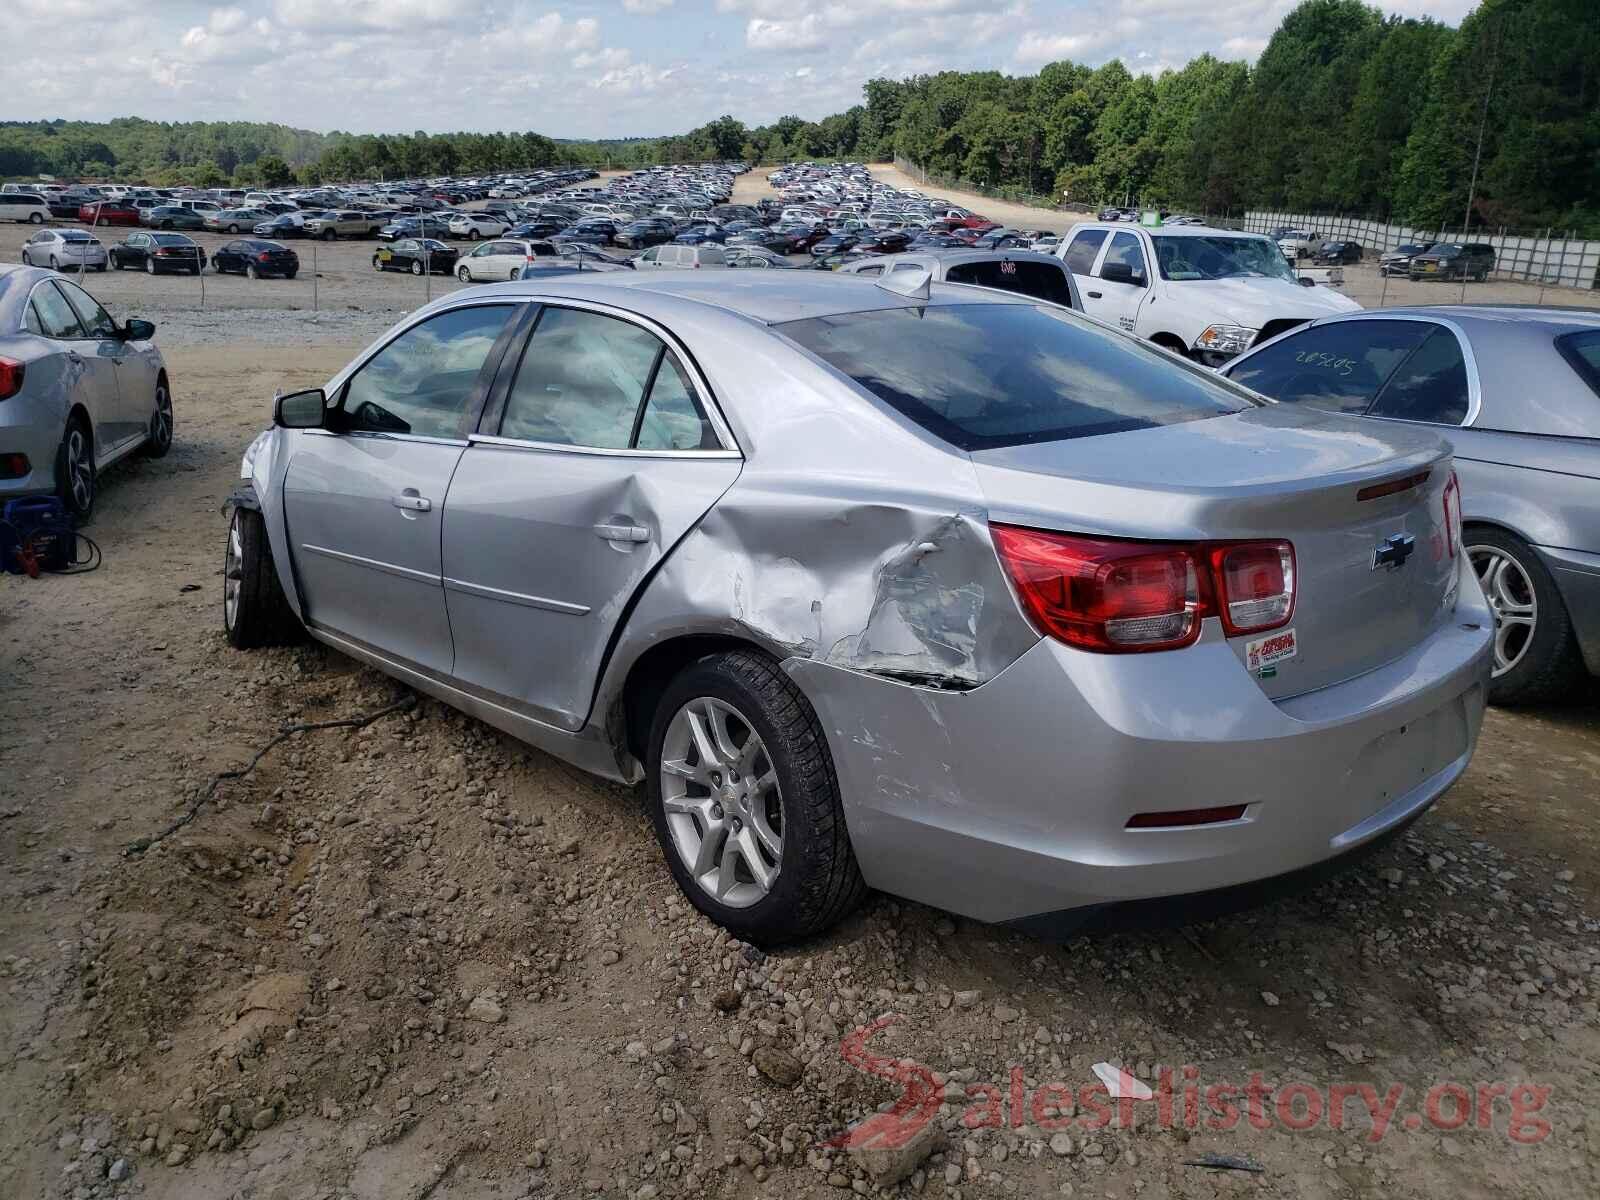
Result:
1393,551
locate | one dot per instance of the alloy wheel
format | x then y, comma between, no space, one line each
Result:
232,573
161,422
723,806
80,469
1512,600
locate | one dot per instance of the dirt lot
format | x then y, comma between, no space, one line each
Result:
419,959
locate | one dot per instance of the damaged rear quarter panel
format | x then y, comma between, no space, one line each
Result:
850,538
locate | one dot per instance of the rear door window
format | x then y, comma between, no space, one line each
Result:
581,381
1339,367
1085,246
1430,385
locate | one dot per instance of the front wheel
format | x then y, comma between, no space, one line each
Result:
744,799
377,263
35,219
75,477
254,611
464,275
328,235
1536,656
116,263
158,439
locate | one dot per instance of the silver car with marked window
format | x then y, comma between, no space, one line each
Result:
1517,392
933,589
78,390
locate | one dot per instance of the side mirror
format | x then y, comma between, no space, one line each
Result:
301,410
1120,272
1307,281
135,329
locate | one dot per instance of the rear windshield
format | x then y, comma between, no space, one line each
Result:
1042,281
986,375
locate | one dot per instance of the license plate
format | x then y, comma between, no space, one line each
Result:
1430,266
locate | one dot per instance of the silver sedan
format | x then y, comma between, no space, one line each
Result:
1517,391
78,391
930,588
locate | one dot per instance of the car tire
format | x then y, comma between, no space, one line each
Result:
416,267
250,271
233,229
329,235
116,263
515,275
54,265
150,266
464,275
75,473
291,274
35,219
158,438
100,268
473,234
254,610
25,260
1542,663
812,881
377,263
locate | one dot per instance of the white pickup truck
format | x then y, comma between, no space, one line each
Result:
1206,293
1299,243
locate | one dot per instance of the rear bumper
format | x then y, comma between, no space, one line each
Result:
1577,577
1010,802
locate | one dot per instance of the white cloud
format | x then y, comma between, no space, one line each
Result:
646,7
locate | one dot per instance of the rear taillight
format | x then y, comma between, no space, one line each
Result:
1255,585
264,257
11,372
1110,596
1452,514
1120,597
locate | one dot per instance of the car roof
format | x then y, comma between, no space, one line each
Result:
1167,230
769,298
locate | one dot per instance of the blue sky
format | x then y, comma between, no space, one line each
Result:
593,68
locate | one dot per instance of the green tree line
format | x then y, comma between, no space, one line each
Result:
1346,110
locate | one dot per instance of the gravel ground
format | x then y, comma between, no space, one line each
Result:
419,959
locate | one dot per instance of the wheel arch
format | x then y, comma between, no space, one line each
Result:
633,710
1170,341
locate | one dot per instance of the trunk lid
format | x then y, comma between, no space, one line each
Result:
1273,472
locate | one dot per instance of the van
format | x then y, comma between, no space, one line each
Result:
686,258
24,208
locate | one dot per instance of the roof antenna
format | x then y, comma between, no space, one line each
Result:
914,284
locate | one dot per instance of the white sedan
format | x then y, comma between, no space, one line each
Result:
477,225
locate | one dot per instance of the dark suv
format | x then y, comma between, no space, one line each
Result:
1454,260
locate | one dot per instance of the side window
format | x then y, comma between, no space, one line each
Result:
96,321
1125,249
651,255
1430,386
908,266
581,380
673,418
1337,367
712,256
423,382
875,269
1081,253
52,313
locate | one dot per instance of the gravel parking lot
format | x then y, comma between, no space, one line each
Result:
419,959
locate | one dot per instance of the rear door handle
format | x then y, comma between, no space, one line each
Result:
409,500
1095,295
622,533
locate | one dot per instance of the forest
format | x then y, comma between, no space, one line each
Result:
1346,110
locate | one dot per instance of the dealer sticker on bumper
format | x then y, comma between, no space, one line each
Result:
1263,655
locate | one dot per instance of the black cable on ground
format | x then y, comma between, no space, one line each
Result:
406,704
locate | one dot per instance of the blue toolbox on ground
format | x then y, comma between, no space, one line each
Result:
35,535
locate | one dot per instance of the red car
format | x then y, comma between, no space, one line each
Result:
108,212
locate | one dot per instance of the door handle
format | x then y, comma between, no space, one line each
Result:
412,502
622,533
1095,295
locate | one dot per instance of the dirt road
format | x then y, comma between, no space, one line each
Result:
419,959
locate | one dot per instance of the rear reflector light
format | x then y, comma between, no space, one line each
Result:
1182,817
1255,585
1393,487
266,258
11,372
14,466
1121,597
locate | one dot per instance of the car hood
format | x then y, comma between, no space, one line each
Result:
1254,302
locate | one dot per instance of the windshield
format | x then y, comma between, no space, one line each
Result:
1220,257
987,375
